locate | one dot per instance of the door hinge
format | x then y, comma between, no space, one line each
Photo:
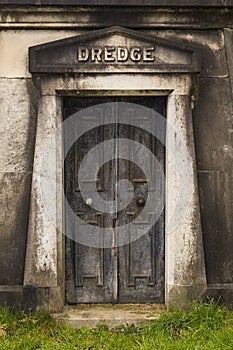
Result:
193,101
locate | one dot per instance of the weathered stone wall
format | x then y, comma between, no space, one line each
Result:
18,114
212,118
18,121
213,121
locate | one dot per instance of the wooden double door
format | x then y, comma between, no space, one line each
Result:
126,273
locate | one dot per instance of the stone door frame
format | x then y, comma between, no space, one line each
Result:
185,277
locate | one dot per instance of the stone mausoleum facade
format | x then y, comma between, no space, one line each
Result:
94,61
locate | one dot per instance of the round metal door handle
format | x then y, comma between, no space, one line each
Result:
140,202
89,201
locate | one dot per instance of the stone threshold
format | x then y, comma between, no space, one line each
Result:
91,315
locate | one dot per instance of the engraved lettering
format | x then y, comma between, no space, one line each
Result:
135,54
96,54
122,54
118,54
83,53
148,54
108,53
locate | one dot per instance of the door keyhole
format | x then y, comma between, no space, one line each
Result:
140,201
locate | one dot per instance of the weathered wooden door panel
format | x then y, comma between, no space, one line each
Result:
89,270
129,273
140,267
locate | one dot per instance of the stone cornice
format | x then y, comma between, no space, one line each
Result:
155,3
79,17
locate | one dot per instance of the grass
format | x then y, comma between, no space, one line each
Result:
204,326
